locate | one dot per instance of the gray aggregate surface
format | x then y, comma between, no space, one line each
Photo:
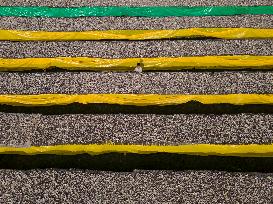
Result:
134,23
143,129
85,186
75,3
137,83
127,49
155,129
17,130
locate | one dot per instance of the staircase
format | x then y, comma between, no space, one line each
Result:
172,105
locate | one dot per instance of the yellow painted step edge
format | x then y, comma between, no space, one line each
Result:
224,33
127,64
133,99
193,149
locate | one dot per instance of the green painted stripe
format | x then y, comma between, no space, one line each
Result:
134,11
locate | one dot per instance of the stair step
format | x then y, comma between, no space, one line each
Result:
233,82
85,186
134,23
25,130
129,49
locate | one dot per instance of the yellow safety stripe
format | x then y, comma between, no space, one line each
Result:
224,33
133,99
194,149
127,64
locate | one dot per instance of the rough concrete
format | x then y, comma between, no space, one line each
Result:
134,23
138,83
176,129
85,186
125,49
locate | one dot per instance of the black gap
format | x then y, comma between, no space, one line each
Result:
187,108
130,162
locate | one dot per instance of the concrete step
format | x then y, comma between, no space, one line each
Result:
120,125
231,82
25,130
85,186
130,49
135,23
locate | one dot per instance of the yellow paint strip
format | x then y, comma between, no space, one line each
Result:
127,64
133,99
194,149
224,33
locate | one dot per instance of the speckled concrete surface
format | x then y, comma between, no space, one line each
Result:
125,49
117,23
132,82
176,129
155,129
74,3
17,130
85,186
79,186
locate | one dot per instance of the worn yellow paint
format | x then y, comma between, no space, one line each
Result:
127,64
194,149
223,33
133,99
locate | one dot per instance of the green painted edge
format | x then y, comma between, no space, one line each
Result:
74,12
